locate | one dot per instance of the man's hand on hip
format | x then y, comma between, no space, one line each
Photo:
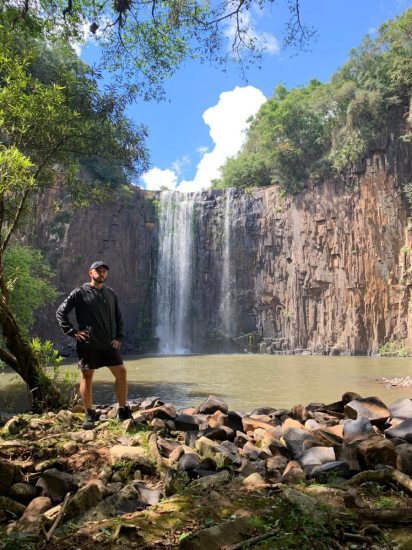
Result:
116,343
81,336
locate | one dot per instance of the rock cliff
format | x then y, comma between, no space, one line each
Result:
327,271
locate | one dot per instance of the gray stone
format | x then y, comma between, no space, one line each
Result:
402,430
377,450
317,455
297,441
167,446
402,408
121,452
306,504
404,458
221,433
254,481
23,492
14,425
66,417
85,499
211,405
211,480
276,464
113,488
252,452
356,429
6,476
188,461
370,407
56,484
12,506
146,495
186,422
324,472
151,402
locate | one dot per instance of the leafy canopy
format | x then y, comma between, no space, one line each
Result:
308,133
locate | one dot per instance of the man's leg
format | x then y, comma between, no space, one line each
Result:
86,379
120,384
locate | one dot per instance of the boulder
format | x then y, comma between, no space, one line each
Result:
402,408
56,484
164,412
31,522
222,433
14,425
254,481
297,441
85,499
211,405
317,455
167,446
128,452
401,431
377,450
252,452
186,422
212,480
252,424
188,461
276,464
324,472
205,445
369,407
12,506
150,497
404,458
151,402
6,476
23,492
356,429
293,473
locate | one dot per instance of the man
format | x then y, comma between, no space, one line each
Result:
98,337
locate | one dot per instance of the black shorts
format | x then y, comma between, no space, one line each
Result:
97,358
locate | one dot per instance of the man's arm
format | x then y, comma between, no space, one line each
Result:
62,314
117,342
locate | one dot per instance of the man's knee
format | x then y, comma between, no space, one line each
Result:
87,375
119,372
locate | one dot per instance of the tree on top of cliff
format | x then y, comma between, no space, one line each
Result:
143,42
308,133
49,122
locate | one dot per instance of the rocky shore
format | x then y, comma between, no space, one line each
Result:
321,476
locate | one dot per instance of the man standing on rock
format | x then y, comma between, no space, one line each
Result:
98,337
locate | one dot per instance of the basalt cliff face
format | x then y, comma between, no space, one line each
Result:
327,271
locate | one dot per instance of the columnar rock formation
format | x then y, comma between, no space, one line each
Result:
327,271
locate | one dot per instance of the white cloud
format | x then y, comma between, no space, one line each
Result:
157,178
228,122
262,40
179,164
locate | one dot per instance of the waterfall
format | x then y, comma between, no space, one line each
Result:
174,282
226,303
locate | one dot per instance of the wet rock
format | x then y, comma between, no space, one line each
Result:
404,458
324,472
402,430
356,429
6,476
377,450
317,455
23,492
369,407
56,484
211,405
297,441
402,408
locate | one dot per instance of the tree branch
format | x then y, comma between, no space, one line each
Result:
8,358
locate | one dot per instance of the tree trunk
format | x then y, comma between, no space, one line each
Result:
43,393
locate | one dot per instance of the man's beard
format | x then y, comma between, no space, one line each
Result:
98,279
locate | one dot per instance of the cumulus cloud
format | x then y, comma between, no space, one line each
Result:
157,178
228,122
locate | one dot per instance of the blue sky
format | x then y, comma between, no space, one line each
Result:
204,117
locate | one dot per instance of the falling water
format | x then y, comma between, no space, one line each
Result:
226,306
174,283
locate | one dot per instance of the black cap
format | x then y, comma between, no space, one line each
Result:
98,264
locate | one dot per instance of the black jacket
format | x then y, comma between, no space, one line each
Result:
97,312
